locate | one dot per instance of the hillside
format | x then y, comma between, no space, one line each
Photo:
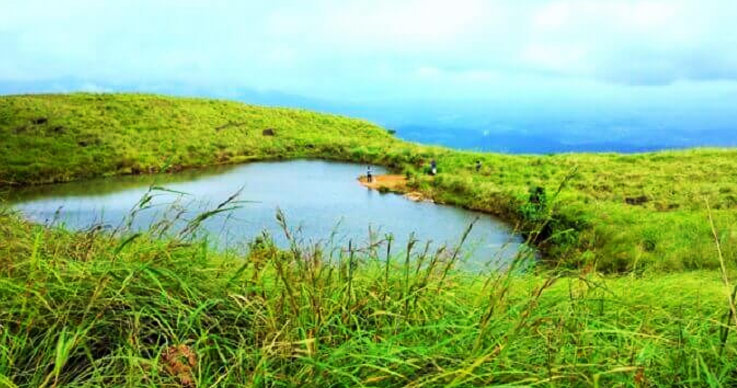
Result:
628,295
615,212
54,138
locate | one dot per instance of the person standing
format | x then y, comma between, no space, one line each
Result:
369,175
478,165
433,167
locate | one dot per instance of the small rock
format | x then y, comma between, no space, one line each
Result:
639,200
415,196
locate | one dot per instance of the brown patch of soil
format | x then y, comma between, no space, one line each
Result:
393,183
390,182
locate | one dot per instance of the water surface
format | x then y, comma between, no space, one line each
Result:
320,199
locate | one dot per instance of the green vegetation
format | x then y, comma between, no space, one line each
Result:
59,138
620,212
91,309
81,309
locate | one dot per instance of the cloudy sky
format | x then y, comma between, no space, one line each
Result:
653,54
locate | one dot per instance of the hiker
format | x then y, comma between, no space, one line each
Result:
478,165
433,167
369,176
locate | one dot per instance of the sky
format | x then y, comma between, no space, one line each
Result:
429,65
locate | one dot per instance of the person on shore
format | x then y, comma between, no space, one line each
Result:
478,165
369,175
433,167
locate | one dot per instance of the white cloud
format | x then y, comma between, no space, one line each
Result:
357,49
557,57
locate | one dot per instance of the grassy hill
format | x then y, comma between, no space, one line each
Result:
615,213
630,294
54,138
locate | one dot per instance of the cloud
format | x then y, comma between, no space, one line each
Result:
372,49
635,42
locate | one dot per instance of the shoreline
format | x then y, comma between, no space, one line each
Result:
611,212
393,183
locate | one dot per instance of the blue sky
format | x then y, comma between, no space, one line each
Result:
568,57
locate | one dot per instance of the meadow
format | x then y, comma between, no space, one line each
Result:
633,287
92,309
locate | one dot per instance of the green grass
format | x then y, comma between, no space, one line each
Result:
621,212
81,309
90,135
631,292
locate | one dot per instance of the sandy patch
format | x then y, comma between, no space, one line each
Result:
393,183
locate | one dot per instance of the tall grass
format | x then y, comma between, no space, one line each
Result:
161,307
94,309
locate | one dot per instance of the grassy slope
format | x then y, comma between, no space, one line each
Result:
82,310
85,310
92,135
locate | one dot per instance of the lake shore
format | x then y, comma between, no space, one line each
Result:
395,184
633,289
611,211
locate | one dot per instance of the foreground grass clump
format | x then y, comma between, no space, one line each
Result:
615,213
90,309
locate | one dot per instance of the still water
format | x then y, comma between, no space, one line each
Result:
320,199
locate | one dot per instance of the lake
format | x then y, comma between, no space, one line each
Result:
320,199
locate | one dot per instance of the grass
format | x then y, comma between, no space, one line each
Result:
85,309
621,212
56,138
635,290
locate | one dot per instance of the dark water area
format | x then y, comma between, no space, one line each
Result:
320,199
